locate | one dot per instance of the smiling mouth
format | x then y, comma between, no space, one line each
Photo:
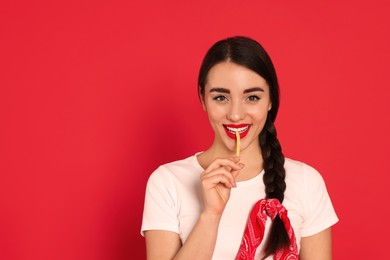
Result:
242,129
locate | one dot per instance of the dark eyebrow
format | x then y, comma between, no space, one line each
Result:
221,90
249,90
227,91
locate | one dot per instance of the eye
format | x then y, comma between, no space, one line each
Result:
253,98
220,98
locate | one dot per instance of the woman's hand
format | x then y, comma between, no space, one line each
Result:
217,181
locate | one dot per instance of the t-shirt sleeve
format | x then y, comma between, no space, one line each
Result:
160,203
318,209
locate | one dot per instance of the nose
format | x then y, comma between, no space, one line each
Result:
236,112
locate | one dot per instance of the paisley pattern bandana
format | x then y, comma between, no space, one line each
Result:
254,231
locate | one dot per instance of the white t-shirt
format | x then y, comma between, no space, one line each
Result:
173,202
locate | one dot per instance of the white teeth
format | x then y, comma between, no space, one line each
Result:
240,129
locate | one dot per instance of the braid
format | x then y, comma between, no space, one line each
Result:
274,175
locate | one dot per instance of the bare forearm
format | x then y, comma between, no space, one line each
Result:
318,246
200,243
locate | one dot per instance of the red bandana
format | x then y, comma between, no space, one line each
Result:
254,231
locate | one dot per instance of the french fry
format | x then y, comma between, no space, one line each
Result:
237,143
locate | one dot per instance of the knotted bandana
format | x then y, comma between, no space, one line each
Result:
254,231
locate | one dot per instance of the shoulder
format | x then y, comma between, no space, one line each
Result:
294,167
302,173
176,170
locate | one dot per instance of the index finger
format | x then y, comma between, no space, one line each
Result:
231,162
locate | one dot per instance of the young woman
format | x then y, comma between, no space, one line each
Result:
258,205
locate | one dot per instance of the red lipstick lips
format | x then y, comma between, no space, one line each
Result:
231,129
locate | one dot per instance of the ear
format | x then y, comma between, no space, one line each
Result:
270,106
203,104
202,100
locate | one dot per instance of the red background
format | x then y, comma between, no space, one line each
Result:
96,94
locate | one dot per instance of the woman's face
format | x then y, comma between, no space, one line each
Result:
236,98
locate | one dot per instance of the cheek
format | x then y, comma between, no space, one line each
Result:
214,117
215,113
259,114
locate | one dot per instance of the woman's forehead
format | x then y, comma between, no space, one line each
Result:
230,75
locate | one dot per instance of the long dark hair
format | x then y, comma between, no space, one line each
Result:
250,54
